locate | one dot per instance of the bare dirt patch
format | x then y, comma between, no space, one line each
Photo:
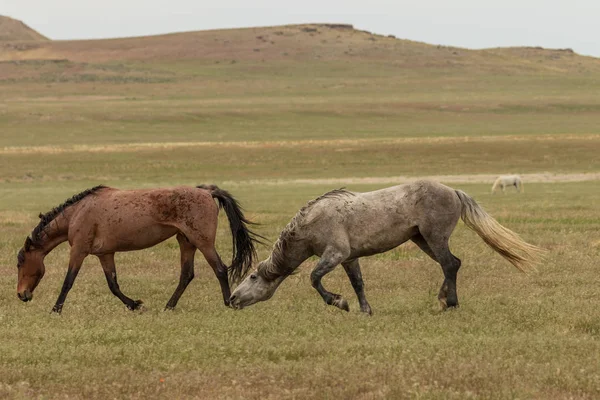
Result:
341,144
15,30
545,177
69,98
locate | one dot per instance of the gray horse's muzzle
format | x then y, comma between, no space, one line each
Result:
234,302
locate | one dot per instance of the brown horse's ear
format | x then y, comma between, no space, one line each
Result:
28,243
40,216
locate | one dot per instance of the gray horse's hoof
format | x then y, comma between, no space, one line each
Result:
367,310
341,303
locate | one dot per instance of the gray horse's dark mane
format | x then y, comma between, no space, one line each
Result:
276,266
48,217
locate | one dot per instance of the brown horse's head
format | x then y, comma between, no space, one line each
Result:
30,265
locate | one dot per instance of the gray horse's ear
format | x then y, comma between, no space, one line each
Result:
28,243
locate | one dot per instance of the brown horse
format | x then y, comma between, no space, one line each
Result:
102,221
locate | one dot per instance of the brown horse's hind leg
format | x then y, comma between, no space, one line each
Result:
207,248
188,251
110,272
437,248
352,268
220,269
329,260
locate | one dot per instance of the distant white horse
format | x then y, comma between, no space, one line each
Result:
508,180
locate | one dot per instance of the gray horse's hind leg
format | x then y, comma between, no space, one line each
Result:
437,248
352,268
329,260
419,240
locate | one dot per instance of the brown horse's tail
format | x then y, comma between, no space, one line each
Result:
505,242
244,252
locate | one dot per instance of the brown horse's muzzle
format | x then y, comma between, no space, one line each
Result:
25,296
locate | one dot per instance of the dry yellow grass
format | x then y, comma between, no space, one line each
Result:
514,336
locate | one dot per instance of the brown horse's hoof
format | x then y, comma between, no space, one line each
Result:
443,304
136,305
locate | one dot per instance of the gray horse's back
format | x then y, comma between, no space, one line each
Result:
373,222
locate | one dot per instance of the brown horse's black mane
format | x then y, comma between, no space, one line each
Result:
45,219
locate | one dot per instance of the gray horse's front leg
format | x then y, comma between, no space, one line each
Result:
352,268
329,260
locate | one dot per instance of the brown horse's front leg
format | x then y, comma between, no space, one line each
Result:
220,270
110,272
188,252
75,261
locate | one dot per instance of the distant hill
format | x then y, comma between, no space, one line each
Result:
15,30
295,43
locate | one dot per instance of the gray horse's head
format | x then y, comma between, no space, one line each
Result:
258,286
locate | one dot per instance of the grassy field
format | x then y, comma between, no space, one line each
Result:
253,126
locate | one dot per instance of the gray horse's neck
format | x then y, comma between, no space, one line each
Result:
292,249
285,259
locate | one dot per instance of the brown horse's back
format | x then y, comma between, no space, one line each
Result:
123,220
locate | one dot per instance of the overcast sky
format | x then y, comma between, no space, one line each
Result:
464,23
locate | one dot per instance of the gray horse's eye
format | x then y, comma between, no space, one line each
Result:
253,277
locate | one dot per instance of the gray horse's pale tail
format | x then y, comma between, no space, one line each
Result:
505,242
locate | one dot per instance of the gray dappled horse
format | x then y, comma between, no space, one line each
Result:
342,226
